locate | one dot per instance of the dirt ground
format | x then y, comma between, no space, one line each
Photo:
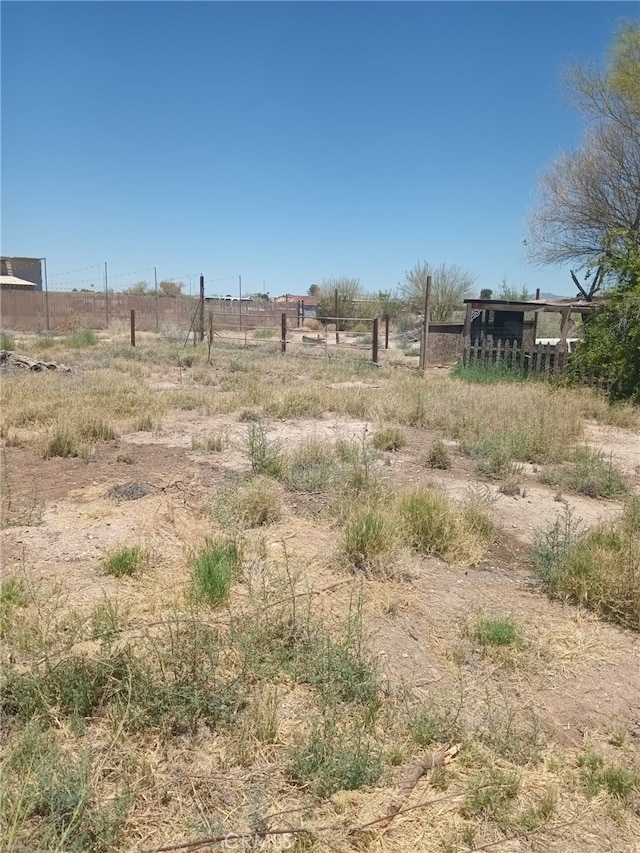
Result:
578,675
593,683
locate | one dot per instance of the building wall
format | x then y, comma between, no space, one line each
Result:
29,269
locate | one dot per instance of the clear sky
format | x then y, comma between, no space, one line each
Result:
286,142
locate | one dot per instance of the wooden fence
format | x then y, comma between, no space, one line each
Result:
541,358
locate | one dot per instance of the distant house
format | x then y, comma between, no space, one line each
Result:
307,305
19,273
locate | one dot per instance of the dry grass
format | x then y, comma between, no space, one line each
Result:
216,693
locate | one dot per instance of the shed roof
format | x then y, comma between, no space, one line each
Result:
555,305
14,281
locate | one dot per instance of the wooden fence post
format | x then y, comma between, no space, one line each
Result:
386,331
374,343
283,332
133,327
425,328
335,308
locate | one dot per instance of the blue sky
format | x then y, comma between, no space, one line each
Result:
286,142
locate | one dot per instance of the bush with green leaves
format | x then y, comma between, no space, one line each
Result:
337,755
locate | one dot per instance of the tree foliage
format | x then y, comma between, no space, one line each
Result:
611,343
350,299
450,285
170,288
592,195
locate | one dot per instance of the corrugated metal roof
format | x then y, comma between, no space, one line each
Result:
14,281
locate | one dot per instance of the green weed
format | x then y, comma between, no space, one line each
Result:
7,341
213,570
81,338
125,562
336,756
494,631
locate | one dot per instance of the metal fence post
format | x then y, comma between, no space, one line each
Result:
283,332
133,327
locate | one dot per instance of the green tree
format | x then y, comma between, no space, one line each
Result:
486,293
512,294
589,204
611,343
450,285
313,290
350,297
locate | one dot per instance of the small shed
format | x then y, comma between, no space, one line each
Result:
504,320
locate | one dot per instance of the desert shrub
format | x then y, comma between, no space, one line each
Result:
213,569
368,539
12,596
499,463
491,794
81,338
265,334
265,456
389,438
336,756
43,341
257,503
312,325
439,456
211,442
96,429
311,467
432,525
51,799
60,442
589,473
597,568
7,341
428,520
